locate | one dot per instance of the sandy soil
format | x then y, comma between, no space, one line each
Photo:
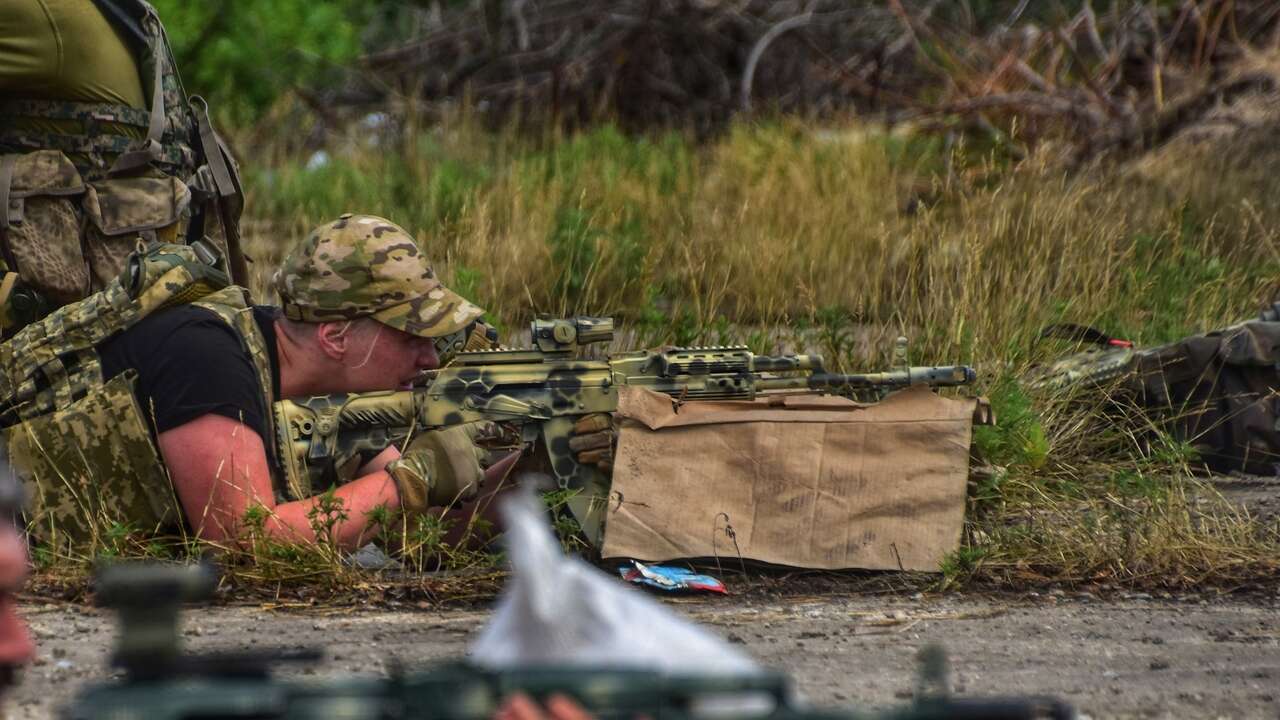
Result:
1128,656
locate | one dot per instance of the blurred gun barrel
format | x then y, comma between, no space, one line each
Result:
978,708
148,598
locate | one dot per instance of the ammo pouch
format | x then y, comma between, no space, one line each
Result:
1218,392
41,224
84,481
65,238
123,212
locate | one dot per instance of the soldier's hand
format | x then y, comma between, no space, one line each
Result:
440,467
593,439
414,475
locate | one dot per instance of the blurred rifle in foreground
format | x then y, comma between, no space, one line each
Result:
544,389
160,682
1217,391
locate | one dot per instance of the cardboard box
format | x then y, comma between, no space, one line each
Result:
804,481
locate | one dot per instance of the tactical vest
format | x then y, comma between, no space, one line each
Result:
73,205
81,444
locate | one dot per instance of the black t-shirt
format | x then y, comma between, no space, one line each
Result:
190,363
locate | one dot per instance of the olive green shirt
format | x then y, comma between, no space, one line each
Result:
65,50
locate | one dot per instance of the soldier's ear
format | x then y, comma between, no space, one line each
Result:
333,338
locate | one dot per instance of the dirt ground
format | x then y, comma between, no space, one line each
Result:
1122,655
1126,656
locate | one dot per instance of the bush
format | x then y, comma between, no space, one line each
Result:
243,55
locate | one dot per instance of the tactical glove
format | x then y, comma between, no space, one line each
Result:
440,467
593,439
414,473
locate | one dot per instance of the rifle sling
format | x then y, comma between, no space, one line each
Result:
151,150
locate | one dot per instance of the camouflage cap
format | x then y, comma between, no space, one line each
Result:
365,266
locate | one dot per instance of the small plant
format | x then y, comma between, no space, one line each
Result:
835,335
1018,437
959,566
566,527
660,326
391,527
474,550
324,517
119,539
423,547
42,557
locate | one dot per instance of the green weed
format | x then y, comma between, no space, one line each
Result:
573,250
960,566
1018,438
566,528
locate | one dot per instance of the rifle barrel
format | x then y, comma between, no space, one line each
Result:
934,376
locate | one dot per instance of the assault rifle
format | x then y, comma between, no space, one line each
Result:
1215,391
160,682
1107,359
542,390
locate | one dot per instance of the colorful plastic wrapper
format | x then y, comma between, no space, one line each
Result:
671,579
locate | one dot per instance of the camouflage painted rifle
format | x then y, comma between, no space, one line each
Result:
1214,391
1105,361
1108,359
160,682
542,390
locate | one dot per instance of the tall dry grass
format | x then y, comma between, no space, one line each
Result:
779,223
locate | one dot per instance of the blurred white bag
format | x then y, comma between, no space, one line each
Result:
561,610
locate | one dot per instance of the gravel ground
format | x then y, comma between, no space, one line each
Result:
1128,656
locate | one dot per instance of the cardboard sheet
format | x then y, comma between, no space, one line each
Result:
814,482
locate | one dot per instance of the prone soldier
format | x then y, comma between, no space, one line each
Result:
150,401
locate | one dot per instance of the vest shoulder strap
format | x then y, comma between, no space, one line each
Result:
229,304
127,17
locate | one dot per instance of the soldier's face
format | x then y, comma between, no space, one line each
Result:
383,358
16,648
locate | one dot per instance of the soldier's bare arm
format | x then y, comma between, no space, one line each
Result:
219,470
558,707
379,461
